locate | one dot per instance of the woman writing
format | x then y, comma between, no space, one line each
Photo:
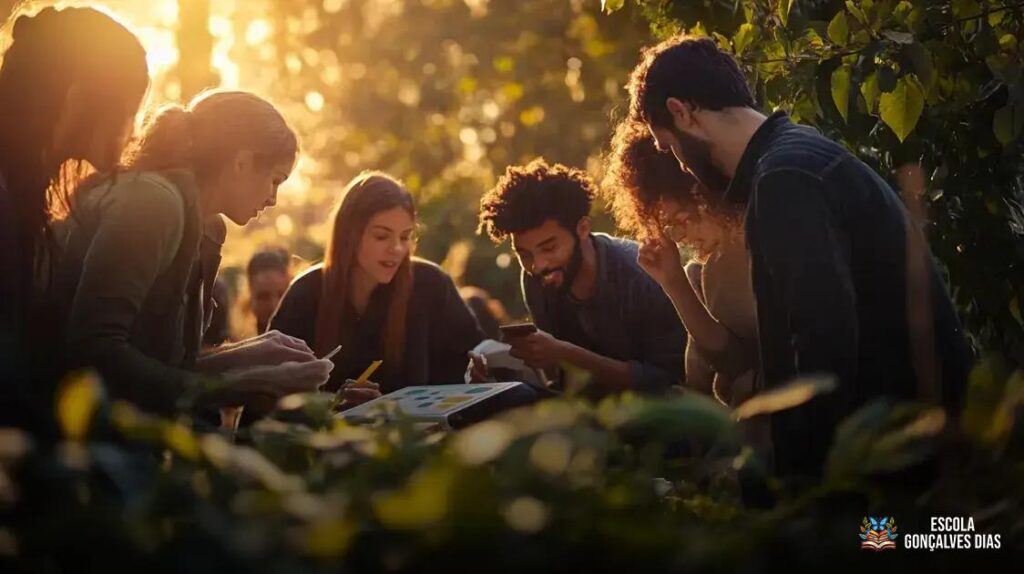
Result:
142,252
377,301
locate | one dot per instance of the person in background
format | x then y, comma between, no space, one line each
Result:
828,244
595,308
268,273
71,83
377,301
489,312
142,252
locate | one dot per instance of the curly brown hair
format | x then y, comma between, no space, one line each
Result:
528,195
638,176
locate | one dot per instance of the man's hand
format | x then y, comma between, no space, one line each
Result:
271,348
659,257
477,368
538,350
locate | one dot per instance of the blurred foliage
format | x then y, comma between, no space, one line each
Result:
626,484
443,94
897,81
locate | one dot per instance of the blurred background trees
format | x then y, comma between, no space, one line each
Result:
443,94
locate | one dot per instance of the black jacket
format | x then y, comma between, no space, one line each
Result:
828,244
440,330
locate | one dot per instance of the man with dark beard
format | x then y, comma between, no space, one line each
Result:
595,308
840,273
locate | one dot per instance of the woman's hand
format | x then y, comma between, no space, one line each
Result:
659,257
242,386
354,394
271,348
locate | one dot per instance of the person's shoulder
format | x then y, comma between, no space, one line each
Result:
426,270
309,278
142,188
797,148
620,253
618,247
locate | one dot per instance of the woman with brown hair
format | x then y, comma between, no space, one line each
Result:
654,198
143,247
376,300
71,83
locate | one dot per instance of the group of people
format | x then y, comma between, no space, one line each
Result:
803,257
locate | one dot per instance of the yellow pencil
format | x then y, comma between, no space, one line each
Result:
361,381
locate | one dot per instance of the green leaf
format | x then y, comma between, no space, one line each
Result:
744,37
966,8
784,7
839,29
869,89
901,108
609,6
899,37
785,397
881,438
841,90
77,400
921,58
691,416
1007,123
857,12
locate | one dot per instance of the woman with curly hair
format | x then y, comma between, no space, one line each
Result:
659,202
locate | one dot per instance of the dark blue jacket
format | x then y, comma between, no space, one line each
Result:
828,245
629,318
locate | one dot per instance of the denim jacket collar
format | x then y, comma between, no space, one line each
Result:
739,188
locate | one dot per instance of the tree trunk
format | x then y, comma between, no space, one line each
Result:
195,47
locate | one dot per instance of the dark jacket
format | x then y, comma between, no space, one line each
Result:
135,281
629,318
827,239
440,330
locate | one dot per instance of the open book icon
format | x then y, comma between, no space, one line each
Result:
498,357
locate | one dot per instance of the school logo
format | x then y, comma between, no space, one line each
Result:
878,534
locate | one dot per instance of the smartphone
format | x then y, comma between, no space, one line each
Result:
509,332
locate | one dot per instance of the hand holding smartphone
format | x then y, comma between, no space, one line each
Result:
509,332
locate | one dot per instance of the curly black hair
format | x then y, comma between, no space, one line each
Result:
691,69
528,195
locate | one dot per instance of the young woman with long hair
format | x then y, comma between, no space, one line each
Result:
71,82
654,198
143,248
376,300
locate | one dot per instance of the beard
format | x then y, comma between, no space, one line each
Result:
569,271
697,157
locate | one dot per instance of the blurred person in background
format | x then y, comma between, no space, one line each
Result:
269,274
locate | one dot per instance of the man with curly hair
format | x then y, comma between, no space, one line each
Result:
594,307
836,264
